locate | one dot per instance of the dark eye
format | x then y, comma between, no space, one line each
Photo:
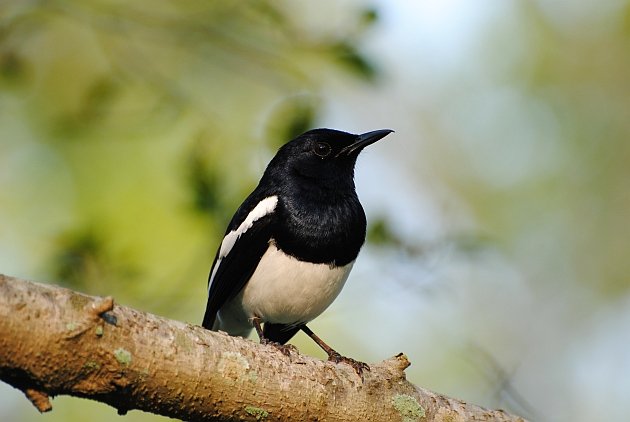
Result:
322,149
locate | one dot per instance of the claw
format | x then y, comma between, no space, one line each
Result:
359,367
285,349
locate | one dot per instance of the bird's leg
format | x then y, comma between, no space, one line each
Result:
333,356
286,349
256,321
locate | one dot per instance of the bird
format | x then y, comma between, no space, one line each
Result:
289,248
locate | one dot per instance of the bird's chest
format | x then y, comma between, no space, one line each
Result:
288,291
323,232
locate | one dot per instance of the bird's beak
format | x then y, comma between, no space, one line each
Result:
364,140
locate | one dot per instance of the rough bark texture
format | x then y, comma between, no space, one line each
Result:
55,341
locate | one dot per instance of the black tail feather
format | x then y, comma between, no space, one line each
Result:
208,319
280,333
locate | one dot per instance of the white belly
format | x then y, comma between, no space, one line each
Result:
284,290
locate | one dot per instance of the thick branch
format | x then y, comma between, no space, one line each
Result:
55,341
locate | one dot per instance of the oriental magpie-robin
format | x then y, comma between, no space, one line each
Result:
290,246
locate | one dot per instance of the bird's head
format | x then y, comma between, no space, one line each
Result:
325,154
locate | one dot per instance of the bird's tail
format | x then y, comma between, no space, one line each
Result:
234,327
209,320
280,333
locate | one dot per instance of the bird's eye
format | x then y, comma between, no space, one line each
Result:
322,149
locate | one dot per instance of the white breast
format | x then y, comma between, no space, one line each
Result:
286,290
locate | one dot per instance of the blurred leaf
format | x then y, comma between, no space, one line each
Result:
472,243
78,254
349,56
94,107
12,67
271,12
98,99
294,116
82,262
369,16
203,180
380,233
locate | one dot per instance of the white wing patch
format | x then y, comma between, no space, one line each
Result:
264,207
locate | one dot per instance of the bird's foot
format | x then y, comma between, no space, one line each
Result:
359,367
285,349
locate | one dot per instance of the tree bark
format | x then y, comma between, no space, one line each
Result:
56,341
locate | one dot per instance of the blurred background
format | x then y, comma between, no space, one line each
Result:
499,212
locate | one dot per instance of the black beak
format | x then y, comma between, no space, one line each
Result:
364,140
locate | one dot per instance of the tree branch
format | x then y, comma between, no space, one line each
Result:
56,341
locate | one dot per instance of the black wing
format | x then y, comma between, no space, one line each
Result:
236,268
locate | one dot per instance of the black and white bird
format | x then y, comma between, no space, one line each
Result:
290,246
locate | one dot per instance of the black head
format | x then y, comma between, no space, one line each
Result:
324,154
